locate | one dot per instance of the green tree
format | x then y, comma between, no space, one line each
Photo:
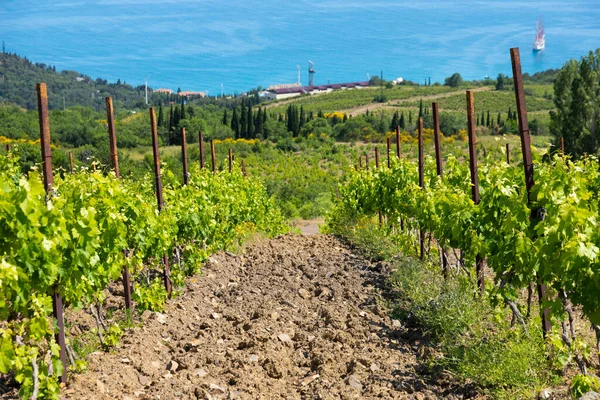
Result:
243,121
455,80
500,82
250,123
235,124
577,102
161,117
225,119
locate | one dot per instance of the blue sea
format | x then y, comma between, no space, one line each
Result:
202,44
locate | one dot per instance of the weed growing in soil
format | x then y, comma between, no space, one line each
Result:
474,336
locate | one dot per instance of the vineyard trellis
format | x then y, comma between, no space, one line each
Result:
532,224
67,237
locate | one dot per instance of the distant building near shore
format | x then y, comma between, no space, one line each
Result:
190,93
286,93
284,86
162,90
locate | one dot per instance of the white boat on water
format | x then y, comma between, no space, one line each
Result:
540,36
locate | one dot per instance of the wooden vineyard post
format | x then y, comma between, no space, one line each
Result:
527,165
57,303
243,167
376,158
422,185
112,136
367,161
184,159
71,162
201,143
474,177
159,198
114,159
230,160
399,155
213,156
360,162
398,150
438,163
7,147
507,153
389,162
562,145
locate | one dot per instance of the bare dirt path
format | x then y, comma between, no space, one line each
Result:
295,317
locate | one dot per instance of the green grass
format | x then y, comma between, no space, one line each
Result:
347,99
494,101
473,337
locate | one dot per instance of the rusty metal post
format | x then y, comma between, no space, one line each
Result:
389,162
201,143
562,145
71,162
421,156
230,160
437,139
527,164
398,150
159,197
438,163
422,185
507,153
184,160
243,167
213,156
474,177
57,303
112,136
376,157
114,158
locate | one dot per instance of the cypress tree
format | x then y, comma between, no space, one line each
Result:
182,113
320,114
311,116
258,123
395,122
175,117
302,120
289,118
401,123
225,122
489,121
243,121
477,122
499,119
235,124
345,118
161,117
171,118
410,117
250,123
264,118
296,126
482,118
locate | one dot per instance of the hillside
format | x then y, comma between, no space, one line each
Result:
18,77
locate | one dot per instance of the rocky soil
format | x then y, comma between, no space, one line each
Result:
295,317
